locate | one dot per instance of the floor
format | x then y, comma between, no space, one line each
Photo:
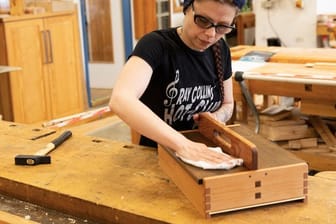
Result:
37,213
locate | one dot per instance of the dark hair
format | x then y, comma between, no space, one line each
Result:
238,3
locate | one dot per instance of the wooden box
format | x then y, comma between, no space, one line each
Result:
279,176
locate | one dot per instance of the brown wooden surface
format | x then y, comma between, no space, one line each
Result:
289,55
244,20
230,142
112,181
311,95
144,17
266,152
100,31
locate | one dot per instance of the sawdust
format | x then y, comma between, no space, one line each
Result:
37,213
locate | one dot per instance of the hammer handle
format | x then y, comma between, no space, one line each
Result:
59,140
54,143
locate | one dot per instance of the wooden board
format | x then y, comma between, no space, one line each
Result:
109,181
288,55
316,98
230,141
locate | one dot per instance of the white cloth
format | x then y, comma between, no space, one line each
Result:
227,164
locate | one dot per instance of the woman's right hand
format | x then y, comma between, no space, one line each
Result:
196,151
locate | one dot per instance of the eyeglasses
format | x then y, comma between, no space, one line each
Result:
205,23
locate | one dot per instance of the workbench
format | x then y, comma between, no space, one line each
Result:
314,86
114,181
288,55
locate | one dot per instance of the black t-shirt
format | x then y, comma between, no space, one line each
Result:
184,81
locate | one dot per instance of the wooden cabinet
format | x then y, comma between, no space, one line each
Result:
150,15
50,84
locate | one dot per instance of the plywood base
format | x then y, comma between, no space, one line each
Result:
281,177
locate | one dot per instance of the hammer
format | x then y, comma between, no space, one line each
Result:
41,157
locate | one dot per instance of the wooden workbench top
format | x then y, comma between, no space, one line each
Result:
112,181
288,55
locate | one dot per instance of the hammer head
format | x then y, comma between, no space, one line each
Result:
32,160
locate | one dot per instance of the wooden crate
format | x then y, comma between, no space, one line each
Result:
280,177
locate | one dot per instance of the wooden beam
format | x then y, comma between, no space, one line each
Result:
323,131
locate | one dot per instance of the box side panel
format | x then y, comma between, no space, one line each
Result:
256,188
190,188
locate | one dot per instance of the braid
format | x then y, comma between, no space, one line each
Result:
224,112
219,67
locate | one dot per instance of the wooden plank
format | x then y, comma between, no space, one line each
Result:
257,187
244,20
326,108
289,55
281,133
100,31
230,142
275,117
145,14
323,131
288,122
193,190
319,159
110,181
302,143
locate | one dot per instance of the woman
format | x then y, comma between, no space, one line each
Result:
173,75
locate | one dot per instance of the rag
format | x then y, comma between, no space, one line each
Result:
228,164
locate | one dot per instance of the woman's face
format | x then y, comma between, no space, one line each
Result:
217,13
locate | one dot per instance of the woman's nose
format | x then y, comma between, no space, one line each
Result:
210,32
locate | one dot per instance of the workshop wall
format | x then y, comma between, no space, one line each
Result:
103,75
295,27
326,7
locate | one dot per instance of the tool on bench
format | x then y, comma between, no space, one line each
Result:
43,135
42,157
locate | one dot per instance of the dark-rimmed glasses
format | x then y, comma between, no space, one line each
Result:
205,23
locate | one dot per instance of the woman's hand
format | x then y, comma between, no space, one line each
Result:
196,151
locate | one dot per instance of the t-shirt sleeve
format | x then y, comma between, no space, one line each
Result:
150,48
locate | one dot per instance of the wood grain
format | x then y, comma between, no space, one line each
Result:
230,141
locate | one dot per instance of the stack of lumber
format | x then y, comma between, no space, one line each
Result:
312,138
282,124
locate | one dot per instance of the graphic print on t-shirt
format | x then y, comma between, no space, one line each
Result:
182,102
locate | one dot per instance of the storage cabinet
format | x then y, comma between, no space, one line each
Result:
150,15
51,82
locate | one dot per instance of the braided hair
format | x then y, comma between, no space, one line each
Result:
216,48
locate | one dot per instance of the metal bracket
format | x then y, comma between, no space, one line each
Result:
239,77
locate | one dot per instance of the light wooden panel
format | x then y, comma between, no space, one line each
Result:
144,17
100,31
